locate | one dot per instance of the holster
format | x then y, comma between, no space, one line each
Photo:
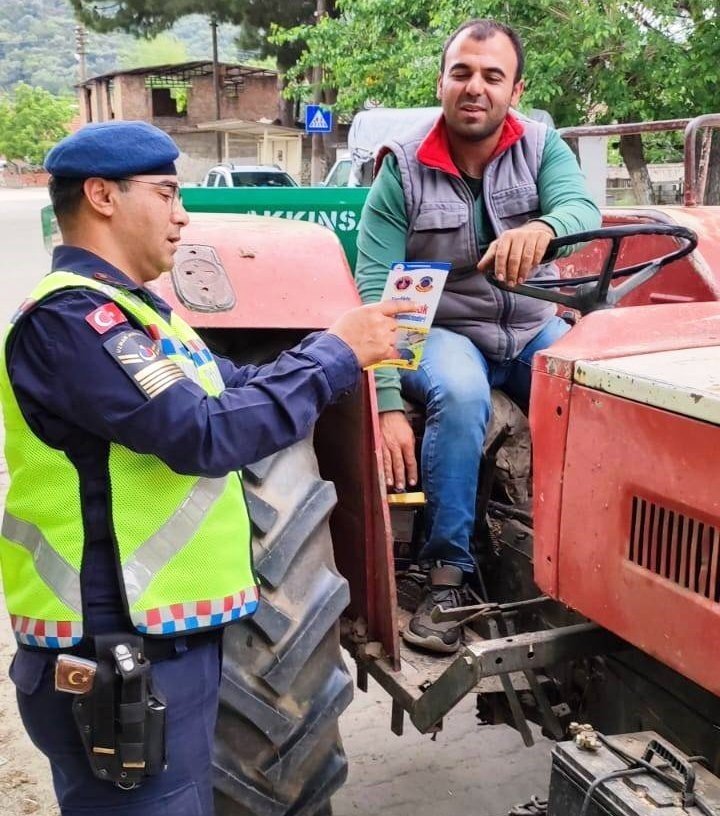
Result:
122,719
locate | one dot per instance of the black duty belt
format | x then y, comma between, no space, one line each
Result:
156,648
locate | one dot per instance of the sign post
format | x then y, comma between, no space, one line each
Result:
318,120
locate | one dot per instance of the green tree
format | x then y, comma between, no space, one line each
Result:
161,50
37,45
603,61
398,70
260,16
600,61
148,18
31,121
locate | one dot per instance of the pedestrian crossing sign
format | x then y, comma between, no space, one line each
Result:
317,120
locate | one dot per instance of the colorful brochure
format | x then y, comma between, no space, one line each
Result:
419,282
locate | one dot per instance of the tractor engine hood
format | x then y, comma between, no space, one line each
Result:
684,381
624,415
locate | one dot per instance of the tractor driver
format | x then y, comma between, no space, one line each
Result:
123,435
483,183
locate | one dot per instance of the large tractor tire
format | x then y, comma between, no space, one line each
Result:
277,746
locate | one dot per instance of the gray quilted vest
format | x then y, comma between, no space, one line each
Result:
441,227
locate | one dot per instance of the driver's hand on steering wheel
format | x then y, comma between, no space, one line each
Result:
517,251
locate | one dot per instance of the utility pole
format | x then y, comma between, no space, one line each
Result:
216,84
317,161
80,51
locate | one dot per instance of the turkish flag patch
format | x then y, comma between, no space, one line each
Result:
105,317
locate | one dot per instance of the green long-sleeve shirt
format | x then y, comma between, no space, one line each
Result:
564,204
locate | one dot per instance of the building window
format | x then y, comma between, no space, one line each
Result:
163,104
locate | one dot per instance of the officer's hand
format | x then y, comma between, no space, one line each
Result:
398,450
370,330
517,251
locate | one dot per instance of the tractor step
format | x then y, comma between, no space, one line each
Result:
428,686
422,669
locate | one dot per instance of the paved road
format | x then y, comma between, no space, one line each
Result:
467,771
24,257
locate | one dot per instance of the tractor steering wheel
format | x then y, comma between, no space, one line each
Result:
593,292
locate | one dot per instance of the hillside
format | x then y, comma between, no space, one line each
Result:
37,44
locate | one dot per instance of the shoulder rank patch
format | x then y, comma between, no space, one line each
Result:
141,359
105,317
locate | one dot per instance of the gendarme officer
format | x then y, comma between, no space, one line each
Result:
123,439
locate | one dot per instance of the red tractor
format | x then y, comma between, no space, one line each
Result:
601,566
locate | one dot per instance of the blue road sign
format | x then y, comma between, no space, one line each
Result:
317,120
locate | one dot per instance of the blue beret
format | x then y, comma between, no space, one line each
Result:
113,150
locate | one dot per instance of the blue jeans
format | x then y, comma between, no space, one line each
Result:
453,382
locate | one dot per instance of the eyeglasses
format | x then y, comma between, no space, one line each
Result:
173,190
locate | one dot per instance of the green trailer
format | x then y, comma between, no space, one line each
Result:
337,208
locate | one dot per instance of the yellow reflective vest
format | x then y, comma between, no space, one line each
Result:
182,543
